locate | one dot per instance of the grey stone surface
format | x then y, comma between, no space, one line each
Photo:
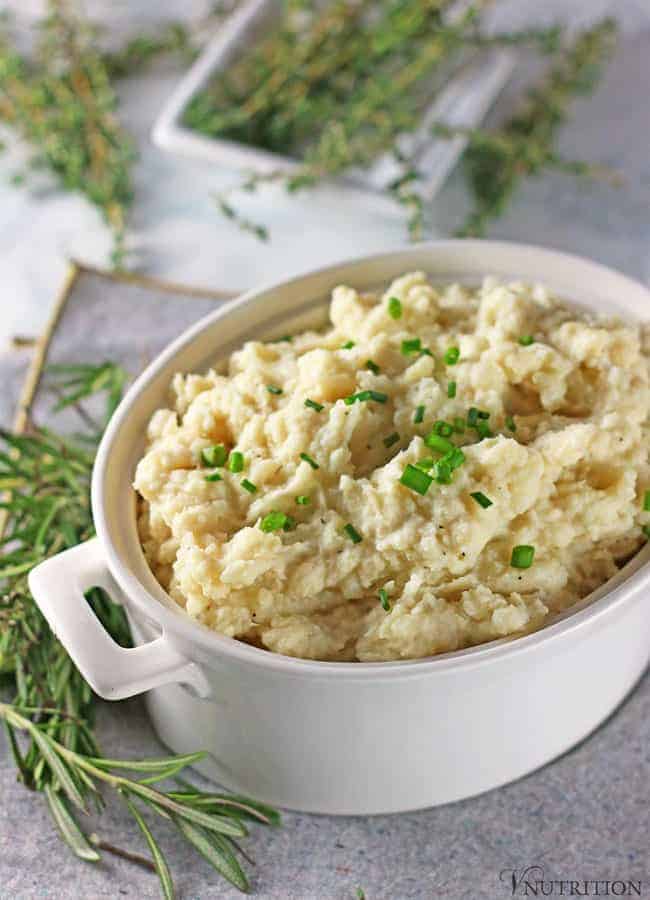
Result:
584,816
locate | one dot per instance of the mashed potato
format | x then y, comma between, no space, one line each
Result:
351,527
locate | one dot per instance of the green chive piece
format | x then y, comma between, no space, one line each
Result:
443,428
452,355
309,460
391,439
285,337
413,345
274,389
352,533
373,367
348,345
290,524
394,308
236,461
646,501
459,425
483,414
511,425
249,486
472,416
526,340
483,429
442,472
481,499
303,500
377,396
428,462
454,458
273,521
383,599
438,442
215,476
646,531
419,415
522,556
214,456
312,404
425,352
416,479
451,389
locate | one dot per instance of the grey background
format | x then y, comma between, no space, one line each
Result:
584,816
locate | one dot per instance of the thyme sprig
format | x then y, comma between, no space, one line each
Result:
62,100
339,100
45,486
526,144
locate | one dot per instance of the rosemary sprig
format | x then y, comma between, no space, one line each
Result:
45,484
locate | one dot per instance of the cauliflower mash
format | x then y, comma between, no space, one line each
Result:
439,468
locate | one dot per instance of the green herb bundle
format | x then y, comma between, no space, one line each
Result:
62,100
44,484
339,86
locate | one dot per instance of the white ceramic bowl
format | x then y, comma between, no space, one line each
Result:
345,737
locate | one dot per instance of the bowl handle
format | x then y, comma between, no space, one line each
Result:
58,586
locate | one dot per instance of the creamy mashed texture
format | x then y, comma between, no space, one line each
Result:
313,500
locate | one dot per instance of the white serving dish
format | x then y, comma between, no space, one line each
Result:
353,738
462,103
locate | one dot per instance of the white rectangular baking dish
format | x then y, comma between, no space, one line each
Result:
463,102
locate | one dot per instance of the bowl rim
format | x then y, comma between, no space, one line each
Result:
177,623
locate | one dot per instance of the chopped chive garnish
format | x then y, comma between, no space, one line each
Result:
526,340
377,396
425,352
352,533
459,425
303,500
285,337
481,499
313,405
394,308
236,461
419,415
442,472
373,367
391,439
289,524
214,476
472,416
438,442
451,389
307,458
483,429
383,599
248,486
348,345
273,521
452,355
214,456
522,556
443,428
412,345
454,458
416,479
646,531
273,389
511,425
646,501
427,463
483,414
